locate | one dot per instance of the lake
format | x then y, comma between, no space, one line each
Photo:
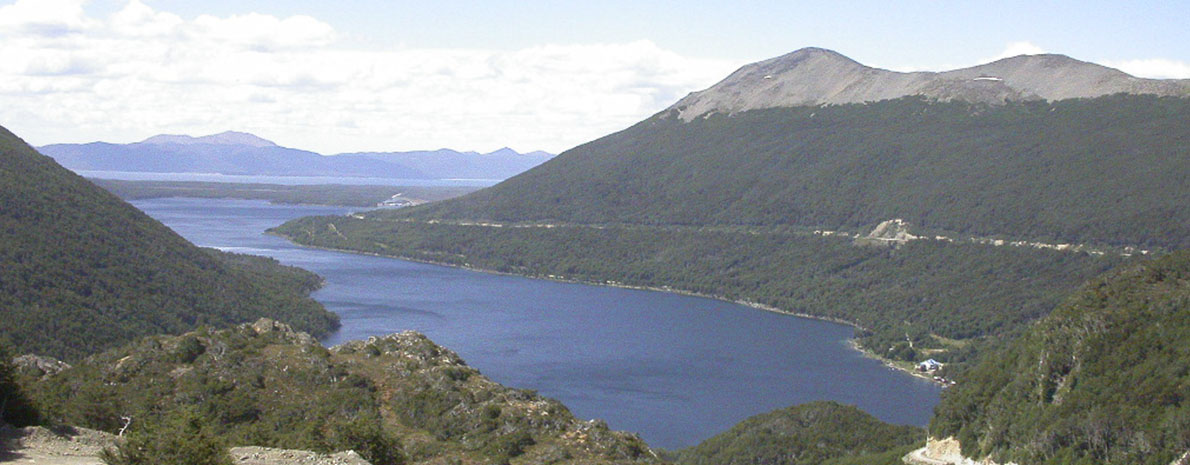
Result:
676,369
285,180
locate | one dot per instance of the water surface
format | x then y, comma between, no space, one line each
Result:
284,180
676,369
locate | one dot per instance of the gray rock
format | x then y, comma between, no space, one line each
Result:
815,76
39,366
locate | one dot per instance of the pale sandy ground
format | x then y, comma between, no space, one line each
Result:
81,446
919,457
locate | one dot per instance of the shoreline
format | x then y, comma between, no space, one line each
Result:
851,341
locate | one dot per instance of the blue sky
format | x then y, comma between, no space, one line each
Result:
393,75
899,32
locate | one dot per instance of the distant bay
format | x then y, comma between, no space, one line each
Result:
676,369
286,180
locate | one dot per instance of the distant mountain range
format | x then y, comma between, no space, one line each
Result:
239,153
814,76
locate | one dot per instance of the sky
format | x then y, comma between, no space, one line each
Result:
376,75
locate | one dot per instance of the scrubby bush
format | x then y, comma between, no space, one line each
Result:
182,438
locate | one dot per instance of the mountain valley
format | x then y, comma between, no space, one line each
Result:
1022,222
728,192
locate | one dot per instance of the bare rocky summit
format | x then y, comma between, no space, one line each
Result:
816,76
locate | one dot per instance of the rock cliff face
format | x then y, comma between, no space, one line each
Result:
815,76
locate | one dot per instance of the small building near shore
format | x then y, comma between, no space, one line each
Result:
929,365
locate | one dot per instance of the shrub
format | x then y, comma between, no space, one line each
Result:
183,438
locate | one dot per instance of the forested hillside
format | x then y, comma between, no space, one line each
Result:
82,271
1103,379
1106,170
817,433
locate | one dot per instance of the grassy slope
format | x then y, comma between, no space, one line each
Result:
82,271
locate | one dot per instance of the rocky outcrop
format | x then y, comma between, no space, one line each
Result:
815,76
400,393
894,232
946,451
269,326
271,456
38,366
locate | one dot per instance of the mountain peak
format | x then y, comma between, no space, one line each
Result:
815,76
812,53
503,151
223,138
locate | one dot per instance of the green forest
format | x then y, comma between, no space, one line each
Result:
1104,379
82,271
1109,170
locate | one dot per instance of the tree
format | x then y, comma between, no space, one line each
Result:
183,438
15,407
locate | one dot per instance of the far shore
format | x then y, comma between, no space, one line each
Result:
768,308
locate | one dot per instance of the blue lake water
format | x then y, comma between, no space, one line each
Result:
676,369
284,180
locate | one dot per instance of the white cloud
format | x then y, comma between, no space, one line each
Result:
1154,68
259,32
141,72
44,17
139,20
